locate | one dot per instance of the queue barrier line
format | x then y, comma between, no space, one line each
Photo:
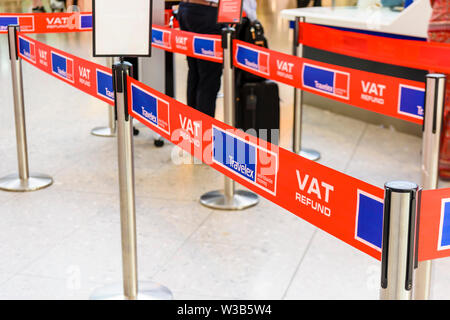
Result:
345,207
390,96
408,53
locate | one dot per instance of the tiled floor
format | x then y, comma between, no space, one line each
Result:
64,241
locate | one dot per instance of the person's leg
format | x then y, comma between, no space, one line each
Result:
444,157
37,6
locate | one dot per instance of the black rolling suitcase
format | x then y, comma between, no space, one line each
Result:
258,108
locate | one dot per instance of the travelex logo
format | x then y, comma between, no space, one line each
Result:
207,47
150,108
444,226
62,66
26,22
161,38
85,21
369,220
27,49
332,82
411,101
251,162
105,85
252,59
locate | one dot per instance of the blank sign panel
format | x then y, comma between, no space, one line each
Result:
122,28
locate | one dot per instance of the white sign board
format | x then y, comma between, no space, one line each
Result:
122,28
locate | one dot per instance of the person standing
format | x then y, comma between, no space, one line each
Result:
439,31
37,6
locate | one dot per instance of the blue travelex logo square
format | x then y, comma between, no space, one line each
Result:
253,59
369,220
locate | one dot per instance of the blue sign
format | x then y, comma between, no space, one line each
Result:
26,22
27,49
6,21
444,238
206,47
161,38
369,224
327,81
412,101
105,85
235,154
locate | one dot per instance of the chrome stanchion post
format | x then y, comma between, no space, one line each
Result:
23,181
432,129
298,103
110,130
229,198
131,289
399,240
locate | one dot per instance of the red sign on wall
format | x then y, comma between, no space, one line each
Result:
230,11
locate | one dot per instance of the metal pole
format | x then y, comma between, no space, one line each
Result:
298,103
229,198
110,130
131,289
432,129
399,238
23,181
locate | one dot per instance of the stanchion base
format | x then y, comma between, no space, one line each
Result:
241,200
147,291
35,182
310,154
103,132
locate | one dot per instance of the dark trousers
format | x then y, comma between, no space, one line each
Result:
203,76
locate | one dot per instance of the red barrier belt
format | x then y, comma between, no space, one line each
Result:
395,97
47,22
84,75
408,53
